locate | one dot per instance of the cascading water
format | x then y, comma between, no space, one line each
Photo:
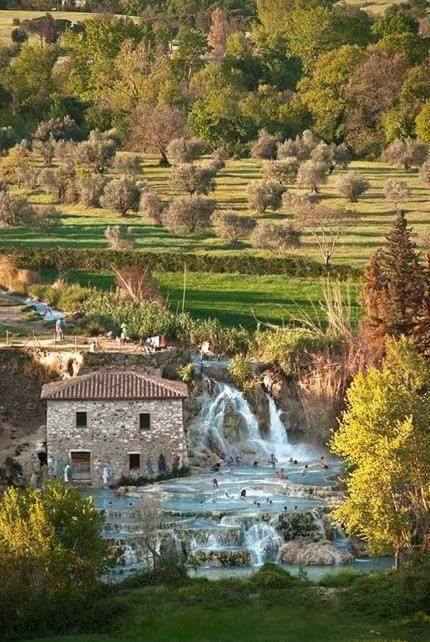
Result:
263,542
278,442
226,424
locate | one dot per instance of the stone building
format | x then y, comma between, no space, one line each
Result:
123,420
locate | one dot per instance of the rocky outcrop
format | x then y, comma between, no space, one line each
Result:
241,557
306,553
302,524
257,399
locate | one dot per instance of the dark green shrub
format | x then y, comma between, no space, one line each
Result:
272,576
341,579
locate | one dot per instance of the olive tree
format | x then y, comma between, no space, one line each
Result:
128,164
184,150
265,147
190,215
15,210
276,237
326,224
352,185
265,194
151,206
232,226
121,195
90,188
284,171
46,149
312,174
54,181
47,218
397,192
406,153
193,180
425,173
97,152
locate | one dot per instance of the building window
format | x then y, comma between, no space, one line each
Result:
81,420
133,461
144,421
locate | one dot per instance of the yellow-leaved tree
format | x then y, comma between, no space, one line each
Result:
384,437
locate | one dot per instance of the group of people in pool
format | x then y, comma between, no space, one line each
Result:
272,461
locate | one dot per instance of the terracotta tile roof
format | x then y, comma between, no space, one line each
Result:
114,384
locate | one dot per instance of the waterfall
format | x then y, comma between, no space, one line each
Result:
227,424
263,542
212,431
278,442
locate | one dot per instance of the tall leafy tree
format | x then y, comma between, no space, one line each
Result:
385,440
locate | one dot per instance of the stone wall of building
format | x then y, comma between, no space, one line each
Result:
113,432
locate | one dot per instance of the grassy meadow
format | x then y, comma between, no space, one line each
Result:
238,299
235,299
84,227
212,613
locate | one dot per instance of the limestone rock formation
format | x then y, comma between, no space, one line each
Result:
306,553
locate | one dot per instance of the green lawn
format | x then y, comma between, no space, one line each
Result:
166,614
85,227
236,298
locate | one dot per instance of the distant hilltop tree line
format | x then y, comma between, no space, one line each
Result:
224,74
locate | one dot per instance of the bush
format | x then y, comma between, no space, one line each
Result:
280,347
189,215
151,206
47,218
232,226
18,158
392,594
284,171
187,373
265,194
128,164
352,185
240,372
90,188
100,260
272,576
340,579
193,180
265,147
276,237
122,195
15,210
184,150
